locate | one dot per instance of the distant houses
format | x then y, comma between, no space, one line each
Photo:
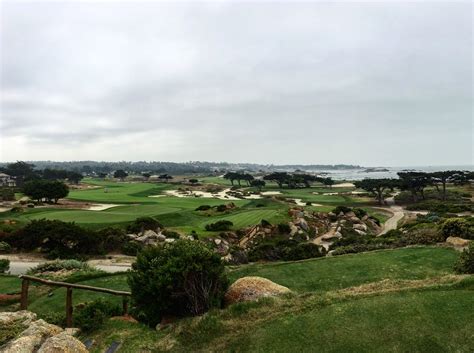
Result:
7,180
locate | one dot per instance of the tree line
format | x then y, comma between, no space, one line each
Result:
416,183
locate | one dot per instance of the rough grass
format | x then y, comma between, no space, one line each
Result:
433,316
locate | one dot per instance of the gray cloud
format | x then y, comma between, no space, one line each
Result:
378,83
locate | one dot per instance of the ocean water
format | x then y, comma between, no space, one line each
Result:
391,172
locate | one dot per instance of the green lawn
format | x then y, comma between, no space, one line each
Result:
331,273
316,275
408,321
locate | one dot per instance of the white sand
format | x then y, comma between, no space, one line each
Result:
4,209
222,195
100,206
299,202
157,196
268,193
343,185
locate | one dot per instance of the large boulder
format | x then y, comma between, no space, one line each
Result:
457,243
63,343
253,288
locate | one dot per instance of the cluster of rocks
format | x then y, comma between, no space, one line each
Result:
152,237
38,335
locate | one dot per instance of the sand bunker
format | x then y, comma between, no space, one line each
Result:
157,195
222,195
343,185
100,206
269,193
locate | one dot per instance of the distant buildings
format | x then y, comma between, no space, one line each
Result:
7,180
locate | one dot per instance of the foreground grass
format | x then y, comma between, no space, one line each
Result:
316,275
403,300
429,318
330,273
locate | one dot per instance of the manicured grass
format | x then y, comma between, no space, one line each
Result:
413,321
330,273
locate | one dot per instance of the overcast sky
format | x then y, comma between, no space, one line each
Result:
373,83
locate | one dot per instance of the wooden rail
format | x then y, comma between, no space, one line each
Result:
69,286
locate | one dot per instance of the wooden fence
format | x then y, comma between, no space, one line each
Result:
69,286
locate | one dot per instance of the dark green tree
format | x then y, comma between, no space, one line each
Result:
377,187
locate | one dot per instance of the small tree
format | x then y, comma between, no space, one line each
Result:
120,174
258,183
180,279
377,187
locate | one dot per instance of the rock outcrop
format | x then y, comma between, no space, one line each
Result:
38,335
458,243
253,288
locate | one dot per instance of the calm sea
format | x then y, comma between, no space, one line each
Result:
359,174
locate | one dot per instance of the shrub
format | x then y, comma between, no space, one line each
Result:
171,234
143,223
58,265
284,228
303,251
91,316
359,212
458,227
4,265
203,208
340,209
5,248
132,248
179,279
112,238
57,239
465,263
425,236
221,208
265,223
219,226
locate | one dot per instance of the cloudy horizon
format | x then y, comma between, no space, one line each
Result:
378,83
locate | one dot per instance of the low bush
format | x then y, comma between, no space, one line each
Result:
91,316
179,279
465,263
203,208
66,270
131,248
112,238
425,236
284,228
221,208
303,251
57,239
5,248
458,227
440,207
171,234
219,226
144,223
342,209
4,265
359,212
284,249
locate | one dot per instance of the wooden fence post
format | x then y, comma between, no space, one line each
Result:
69,307
24,294
124,306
